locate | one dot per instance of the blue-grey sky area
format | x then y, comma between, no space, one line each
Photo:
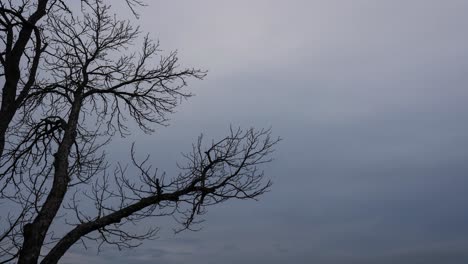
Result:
371,99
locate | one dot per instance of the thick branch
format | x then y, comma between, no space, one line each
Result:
230,173
12,70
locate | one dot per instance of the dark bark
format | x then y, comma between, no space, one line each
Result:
37,230
58,151
12,62
83,229
208,184
5,120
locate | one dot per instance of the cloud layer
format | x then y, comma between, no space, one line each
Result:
370,98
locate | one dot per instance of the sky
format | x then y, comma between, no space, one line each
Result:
370,98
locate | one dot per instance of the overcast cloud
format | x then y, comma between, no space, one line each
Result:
370,98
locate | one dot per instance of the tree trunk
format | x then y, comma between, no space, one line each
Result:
35,232
5,120
2,138
12,71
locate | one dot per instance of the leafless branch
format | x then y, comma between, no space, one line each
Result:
72,83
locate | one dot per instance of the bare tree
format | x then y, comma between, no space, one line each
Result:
22,44
80,88
20,38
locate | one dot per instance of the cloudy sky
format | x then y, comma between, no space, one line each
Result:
371,99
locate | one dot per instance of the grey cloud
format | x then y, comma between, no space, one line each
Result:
370,98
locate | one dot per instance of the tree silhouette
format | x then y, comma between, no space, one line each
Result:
70,85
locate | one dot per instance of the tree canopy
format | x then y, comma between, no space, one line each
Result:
73,80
